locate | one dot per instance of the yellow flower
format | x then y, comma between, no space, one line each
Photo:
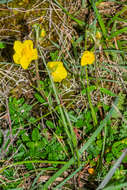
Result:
58,71
43,33
87,58
24,53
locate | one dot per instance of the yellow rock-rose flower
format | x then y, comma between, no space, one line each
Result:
87,58
24,53
58,71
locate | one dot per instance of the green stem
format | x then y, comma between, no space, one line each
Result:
59,104
89,99
88,88
32,161
37,30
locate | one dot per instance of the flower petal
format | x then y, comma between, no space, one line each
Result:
16,58
53,65
87,58
18,46
28,44
24,62
59,74
34,54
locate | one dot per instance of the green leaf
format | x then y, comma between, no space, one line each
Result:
25,138
83,91
92,88
80,123
39,98
19,155
118,32
31,145
107,92
29,166
35,135
54,55
50,124
2,45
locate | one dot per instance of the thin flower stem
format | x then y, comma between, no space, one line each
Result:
88,88
59,104
37,28
89,99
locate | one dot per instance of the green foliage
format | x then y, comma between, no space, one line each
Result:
2,45
19,110
39,98
50,124
36,135
117,148
54,55
122,98
40,147
45,88
35,145
107,92
91,89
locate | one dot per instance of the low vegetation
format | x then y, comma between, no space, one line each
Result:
63,95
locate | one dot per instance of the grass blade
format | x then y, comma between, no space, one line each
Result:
116,16
100,20
80,22
73,137
69,177
118,32
116,187
112,171
86,145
